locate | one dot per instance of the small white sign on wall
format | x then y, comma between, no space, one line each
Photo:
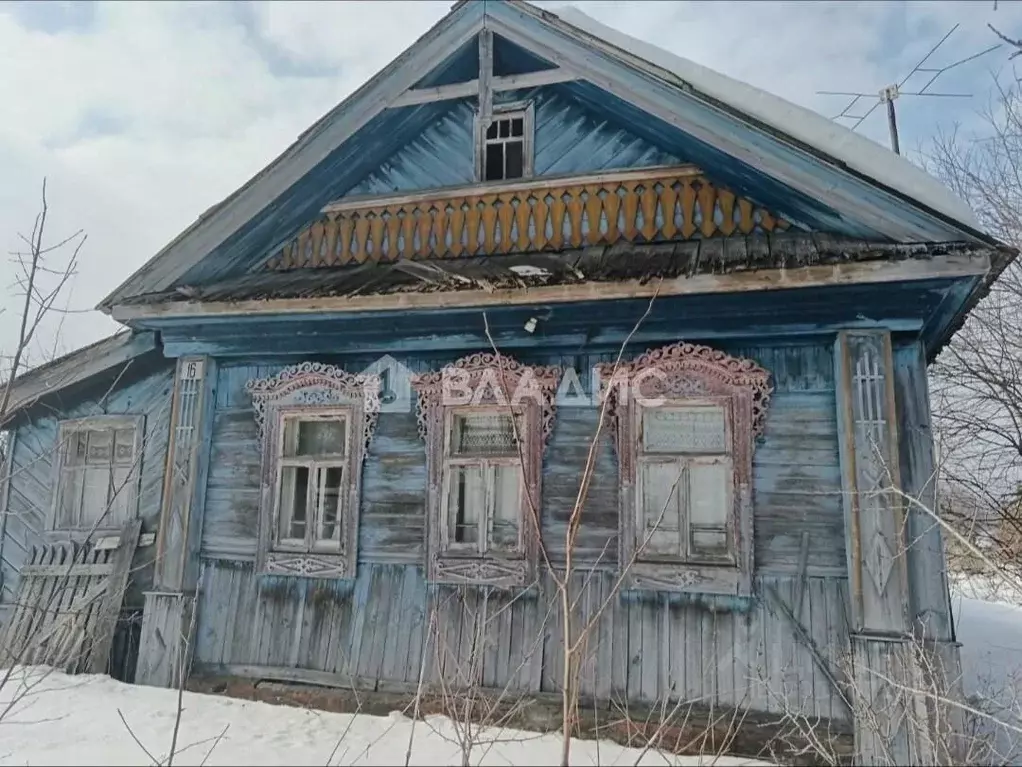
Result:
192,370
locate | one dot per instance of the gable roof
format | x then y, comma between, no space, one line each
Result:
794,145
811,128
76,367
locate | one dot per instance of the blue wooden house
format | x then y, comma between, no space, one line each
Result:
528,198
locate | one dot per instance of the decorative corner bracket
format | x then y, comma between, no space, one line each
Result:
686,370
314,384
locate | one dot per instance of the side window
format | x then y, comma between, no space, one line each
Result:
685,419
484,479
97,473
313,480
506,146
315,423
685,489
485,420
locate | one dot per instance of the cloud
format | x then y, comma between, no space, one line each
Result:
143,115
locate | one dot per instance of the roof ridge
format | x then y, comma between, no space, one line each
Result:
855,151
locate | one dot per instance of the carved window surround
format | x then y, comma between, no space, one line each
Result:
680,375
485,384
315,390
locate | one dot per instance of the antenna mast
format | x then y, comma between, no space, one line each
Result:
890,93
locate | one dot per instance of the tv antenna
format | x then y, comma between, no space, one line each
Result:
891,93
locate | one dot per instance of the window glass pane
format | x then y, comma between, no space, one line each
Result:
77,442
94,497
314,437
515,164
121,494
485,434
691,429
662,491
70,499
494,170
100,447
491,132
517,126
294,487
709,542
507,506
708,493
466,503
124,446
505,128
330,503
709,485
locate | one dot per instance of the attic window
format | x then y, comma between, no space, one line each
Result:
97,475
506,151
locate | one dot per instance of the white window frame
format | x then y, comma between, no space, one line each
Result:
482,546
62,472
681,375
683,461
309,391
317,465
524,110
484,374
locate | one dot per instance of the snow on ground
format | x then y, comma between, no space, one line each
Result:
855,150
74,720
988,619
59,719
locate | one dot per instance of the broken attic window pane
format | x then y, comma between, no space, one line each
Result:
514,159
504,148
494,162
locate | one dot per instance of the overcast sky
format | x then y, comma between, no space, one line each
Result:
143,115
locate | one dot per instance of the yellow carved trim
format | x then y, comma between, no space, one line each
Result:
668,204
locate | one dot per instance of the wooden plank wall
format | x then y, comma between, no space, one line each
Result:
568,140
796,469
376,629
390,627
32,480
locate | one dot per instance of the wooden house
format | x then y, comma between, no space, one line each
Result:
525,197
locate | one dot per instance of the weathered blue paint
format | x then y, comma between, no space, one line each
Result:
377,628
460,67
361,165
511,59
901,307
440,155
394,630
336,154
796,473
569,139
463,65
726,130
941,321
138,391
